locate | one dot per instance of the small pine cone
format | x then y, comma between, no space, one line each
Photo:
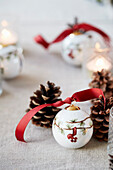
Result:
110,162
103,80
100,117
46,94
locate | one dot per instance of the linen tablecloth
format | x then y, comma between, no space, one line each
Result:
42,152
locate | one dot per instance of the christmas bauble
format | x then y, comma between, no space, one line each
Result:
74,47
72,127
11,59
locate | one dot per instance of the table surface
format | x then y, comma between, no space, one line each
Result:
42,152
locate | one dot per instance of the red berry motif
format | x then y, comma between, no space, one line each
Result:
71,54
71,136
74,139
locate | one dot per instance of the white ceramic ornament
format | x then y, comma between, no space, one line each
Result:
72,128
11,59
73,48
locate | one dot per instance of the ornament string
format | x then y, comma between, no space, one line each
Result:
83,26
78,97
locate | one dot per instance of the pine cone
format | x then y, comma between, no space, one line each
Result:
46,94
110,162
103,80
100,117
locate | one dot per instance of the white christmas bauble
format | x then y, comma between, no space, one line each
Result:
73,48
72,128
11,61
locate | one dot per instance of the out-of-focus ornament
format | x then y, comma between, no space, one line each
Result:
72,127
74,46
77,39
11,59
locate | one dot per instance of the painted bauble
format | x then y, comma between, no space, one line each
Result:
72,127
74,48
11,58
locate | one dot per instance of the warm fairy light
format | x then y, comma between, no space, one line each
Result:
100,63
1,47
5,34
8,37
4,23
97,45
99,49
99,59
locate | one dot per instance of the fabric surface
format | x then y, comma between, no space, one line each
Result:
42,151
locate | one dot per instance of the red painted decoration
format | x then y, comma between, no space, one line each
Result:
71,54
74,131
72,136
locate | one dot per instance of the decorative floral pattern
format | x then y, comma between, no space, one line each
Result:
71,126
8,55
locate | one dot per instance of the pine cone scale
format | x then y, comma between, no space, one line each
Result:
99,119
105,124
35,100
103,130
49,116
97,126
99,135
46,121
45,98
37,117
107,118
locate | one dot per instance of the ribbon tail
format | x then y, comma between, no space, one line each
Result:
20,129
40,40
63,35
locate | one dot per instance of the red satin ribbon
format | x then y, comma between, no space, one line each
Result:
85,27
78,97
